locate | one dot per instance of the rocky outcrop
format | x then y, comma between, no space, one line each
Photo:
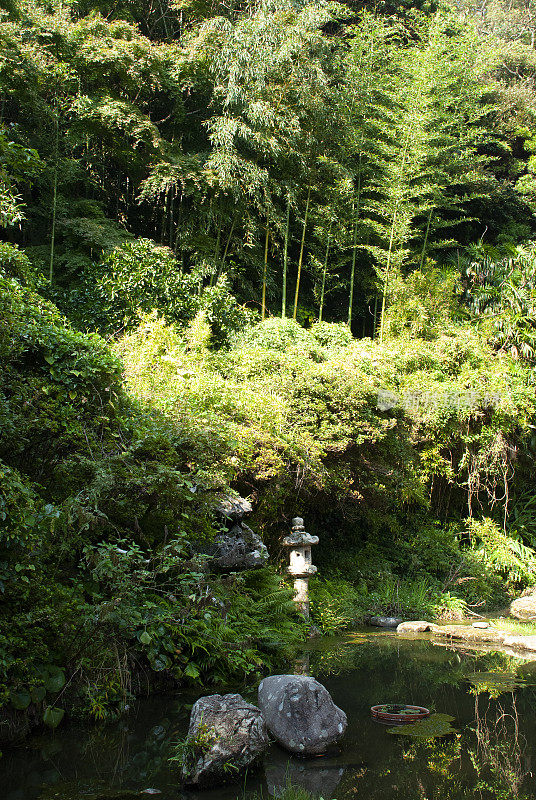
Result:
226,736
238,549
234,509
300,714
518,642
524,607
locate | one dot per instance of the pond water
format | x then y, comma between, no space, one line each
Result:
489,697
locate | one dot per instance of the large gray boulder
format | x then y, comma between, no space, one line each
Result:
524,607
238,549
300,713
226,736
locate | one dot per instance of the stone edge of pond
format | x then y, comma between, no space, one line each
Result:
466,633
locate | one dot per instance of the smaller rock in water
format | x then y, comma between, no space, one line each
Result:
480,625
300,714
226,736
384,622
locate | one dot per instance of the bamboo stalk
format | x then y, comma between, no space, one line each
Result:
300,261
227,243
352,274
391,238
426,238
285,262
387,269
354,250
265,268
324,272
54,201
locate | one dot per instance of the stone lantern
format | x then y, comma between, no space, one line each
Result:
301,566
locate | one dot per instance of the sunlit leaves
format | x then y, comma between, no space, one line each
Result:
432,727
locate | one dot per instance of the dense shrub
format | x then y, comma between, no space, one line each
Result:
138,277
98,509
278,334
332,334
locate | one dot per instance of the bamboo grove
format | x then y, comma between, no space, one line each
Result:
305,155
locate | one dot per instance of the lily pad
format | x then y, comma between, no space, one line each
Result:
430,728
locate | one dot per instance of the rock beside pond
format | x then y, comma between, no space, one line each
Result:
384,622
300,714
520,642
226,736
417,626
238,549
524,607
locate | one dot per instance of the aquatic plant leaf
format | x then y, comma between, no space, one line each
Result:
55,681
53,716
38,694
430,728
20,700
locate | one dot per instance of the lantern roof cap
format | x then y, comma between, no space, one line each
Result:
300,539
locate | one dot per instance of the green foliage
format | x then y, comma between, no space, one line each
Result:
188,751
432,727
15,264
503,553
501,291
141,276
276,334
417,598
335,605
294,793
332,334
424,304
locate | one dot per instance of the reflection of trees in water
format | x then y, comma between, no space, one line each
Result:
497,754
402,666
500,759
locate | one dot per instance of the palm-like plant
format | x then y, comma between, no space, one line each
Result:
502,290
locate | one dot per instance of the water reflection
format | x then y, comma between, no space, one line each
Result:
491,696
317,775
500,757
